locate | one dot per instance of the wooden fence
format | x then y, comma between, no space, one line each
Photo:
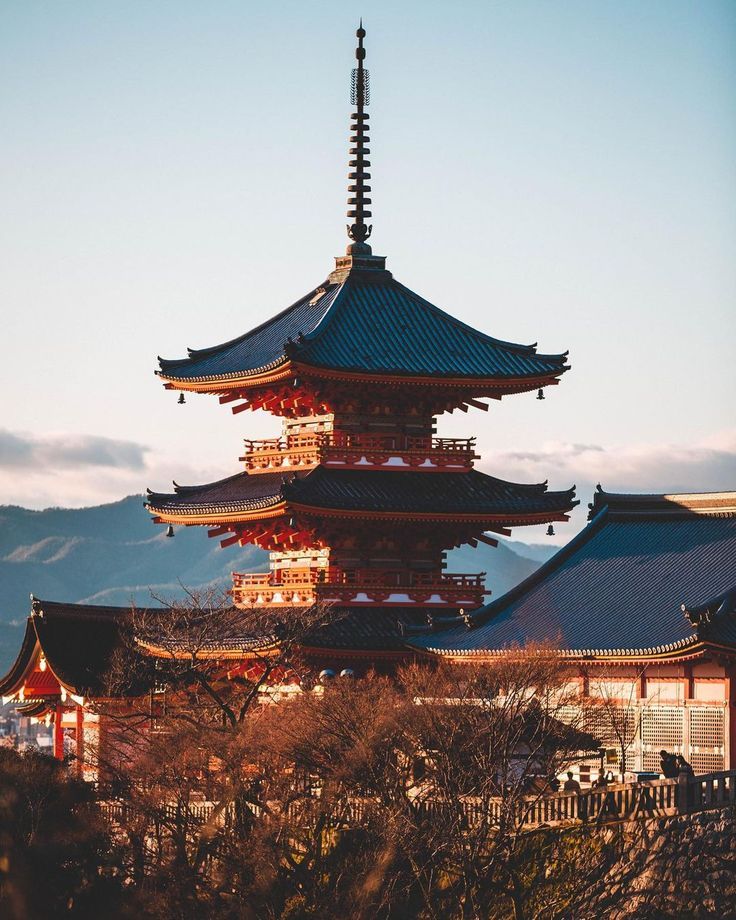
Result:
616,802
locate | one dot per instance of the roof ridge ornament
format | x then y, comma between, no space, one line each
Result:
359,163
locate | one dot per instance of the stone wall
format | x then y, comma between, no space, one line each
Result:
678,867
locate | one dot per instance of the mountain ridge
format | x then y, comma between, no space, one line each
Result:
110,554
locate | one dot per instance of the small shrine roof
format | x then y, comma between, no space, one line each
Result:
78,642
401,492
368,629
620,587
367,323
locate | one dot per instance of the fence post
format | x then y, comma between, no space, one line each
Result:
683,790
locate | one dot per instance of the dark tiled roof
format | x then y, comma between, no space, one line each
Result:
241,492
471,492
447,493
77,640
619,586
372,324
369,629
257,350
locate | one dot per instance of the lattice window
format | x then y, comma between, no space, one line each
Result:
707,739
662,728
613,726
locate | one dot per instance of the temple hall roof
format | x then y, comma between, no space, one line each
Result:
620,587
401,492
377,629
367,323
78,642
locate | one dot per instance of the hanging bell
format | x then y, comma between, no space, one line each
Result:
550,531
181,399
170,530
540,393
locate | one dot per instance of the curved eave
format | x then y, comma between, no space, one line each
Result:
216,514
683,650
24,663
477,385
288,369
217,383
231,652
499,520
28,657
36,709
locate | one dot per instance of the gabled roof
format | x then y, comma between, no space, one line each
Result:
401,492
618,588
78,642
367,322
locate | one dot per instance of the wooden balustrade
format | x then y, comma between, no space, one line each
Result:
307,450
592,807
283,587
359,578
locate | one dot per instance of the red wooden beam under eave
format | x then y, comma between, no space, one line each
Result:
489,541
229,397
230,541
504,531
218,531
477,404
241,408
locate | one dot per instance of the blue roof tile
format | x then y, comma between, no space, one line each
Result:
620,584
367,323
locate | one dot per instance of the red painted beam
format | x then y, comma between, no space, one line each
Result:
489,541
80,741
218,531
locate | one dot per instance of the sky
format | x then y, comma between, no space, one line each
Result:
172,173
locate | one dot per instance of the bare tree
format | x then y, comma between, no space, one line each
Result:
437,771
391,797
615,712
175,767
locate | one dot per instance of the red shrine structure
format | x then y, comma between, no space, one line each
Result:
359,499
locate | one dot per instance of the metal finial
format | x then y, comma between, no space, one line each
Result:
358,231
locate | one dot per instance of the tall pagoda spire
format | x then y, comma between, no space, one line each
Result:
358,175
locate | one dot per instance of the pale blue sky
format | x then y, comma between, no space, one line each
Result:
172,173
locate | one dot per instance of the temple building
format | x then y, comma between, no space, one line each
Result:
360,499
642,603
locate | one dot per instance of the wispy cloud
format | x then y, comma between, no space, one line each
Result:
706,466
76,470
19,451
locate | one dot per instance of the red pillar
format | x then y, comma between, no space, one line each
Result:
58,733
80,741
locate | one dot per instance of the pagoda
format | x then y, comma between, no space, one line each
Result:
359,500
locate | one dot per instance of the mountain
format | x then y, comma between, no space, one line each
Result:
112,554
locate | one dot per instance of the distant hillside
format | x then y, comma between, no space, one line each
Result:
113,554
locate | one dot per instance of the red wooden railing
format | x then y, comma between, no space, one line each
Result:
311,449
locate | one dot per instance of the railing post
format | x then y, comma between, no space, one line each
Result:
683,793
